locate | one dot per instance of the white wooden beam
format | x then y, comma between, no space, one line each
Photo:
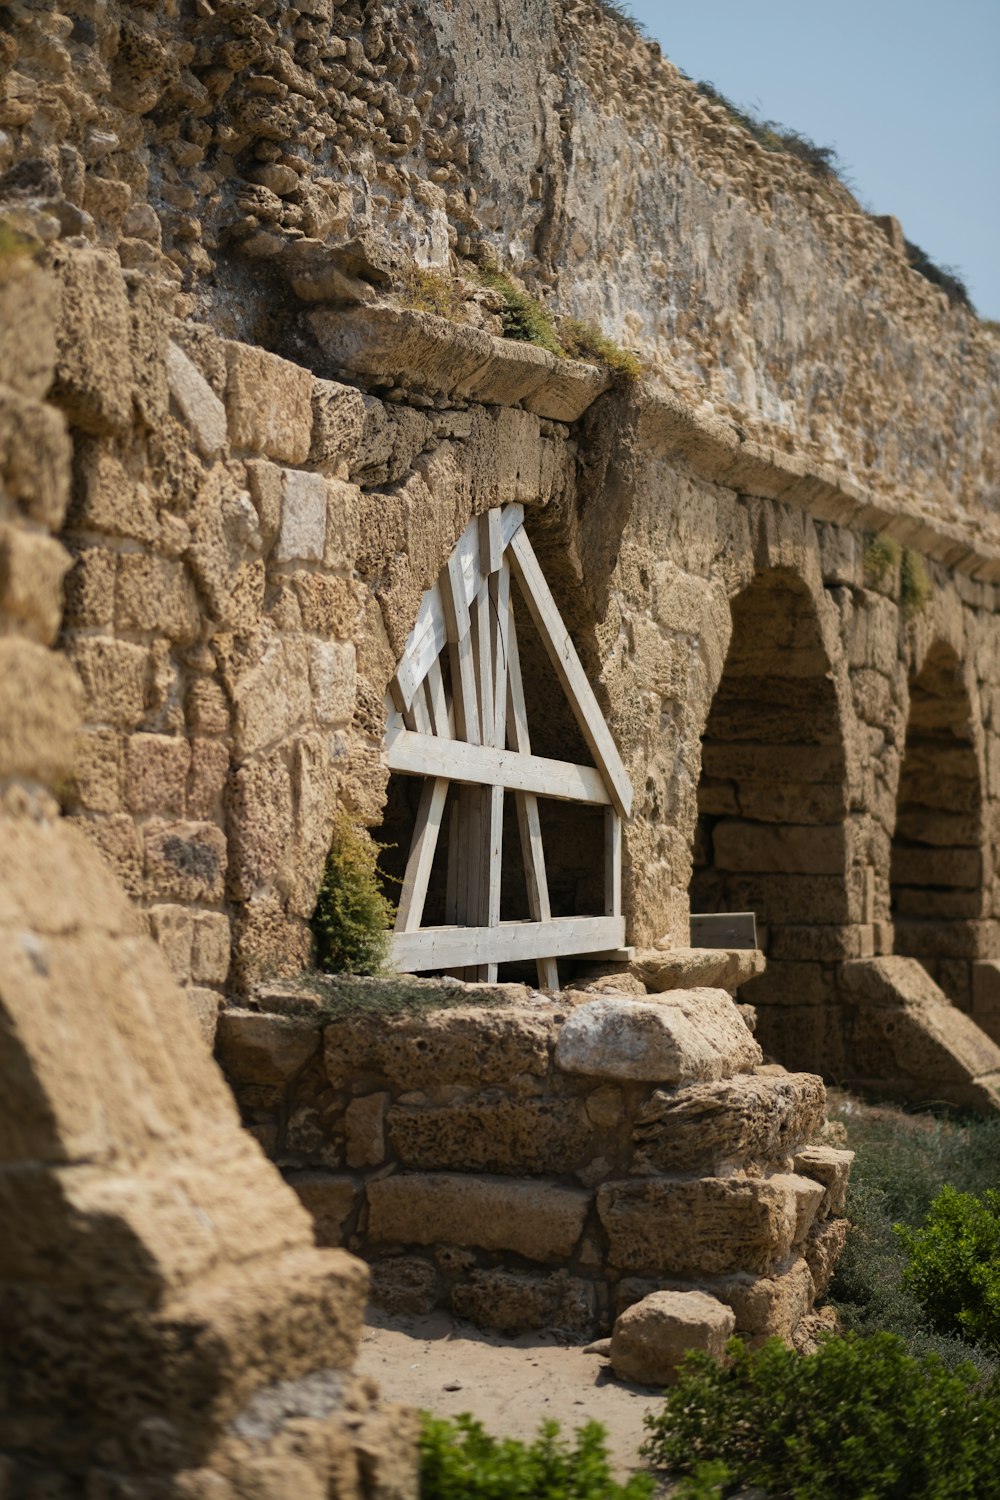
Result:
482,765
429,634
562,653
466,947
612,863
421,858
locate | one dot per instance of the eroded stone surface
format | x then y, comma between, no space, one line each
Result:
690,1034
650,1339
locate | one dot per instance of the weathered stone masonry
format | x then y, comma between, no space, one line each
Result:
234,451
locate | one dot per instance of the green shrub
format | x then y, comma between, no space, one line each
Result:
914,584
523,316
953,1265
460,1461
353,916
859,1418
946,277
881,555
584,341
900,1163
432,292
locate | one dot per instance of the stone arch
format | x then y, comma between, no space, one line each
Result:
936,870
773,798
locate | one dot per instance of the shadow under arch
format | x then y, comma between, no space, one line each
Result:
936,870
772,801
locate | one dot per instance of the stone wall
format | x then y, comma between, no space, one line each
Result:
167,1325
539,1163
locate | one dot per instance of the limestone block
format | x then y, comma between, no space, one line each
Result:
269,404
343,524
27,327
198,404
463,1045
682,1226
364,1130
330,1199
822,944
517,1301
333,678
670,968
823,1248
114,676
302,532
832,1168
769,1306
492,1132
35,455
99,770
331,607
748,1118
32,568
40,709
267,487
206,707
156,769
405,1284
946,867
260,821
110,498
267,940
650,1339
210,948
185,861
173,929
688,1034
779,847
271,698
206,779
338,422
93,377
262,1049
539,1220
206,1005
224,552
89,589
119,842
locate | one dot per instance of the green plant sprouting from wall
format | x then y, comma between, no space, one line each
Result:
353,915
882,556
914,585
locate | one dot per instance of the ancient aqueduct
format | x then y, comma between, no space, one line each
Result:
271,533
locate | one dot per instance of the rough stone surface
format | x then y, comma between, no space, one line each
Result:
692,1034
650,1339
684,1226
672,968
750,1117
539,1220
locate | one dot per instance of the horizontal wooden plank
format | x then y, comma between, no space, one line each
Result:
482,765
461,947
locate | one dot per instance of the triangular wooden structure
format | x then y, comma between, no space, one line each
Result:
477,736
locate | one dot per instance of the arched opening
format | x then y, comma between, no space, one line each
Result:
508,793
771,836
936,875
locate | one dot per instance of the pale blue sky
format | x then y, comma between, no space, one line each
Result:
908,93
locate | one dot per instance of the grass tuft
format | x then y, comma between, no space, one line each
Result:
584,341
882,555
915,587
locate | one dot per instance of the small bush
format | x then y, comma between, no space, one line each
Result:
946,277
353,916
460,1461
860,1418
523,316
774,137
953,1265
914,584
584,341
432,292
881,555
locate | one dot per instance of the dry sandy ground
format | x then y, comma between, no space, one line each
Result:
511,1385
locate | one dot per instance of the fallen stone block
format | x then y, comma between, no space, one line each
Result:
651,1338
670,968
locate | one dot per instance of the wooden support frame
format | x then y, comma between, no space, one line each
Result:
475,738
